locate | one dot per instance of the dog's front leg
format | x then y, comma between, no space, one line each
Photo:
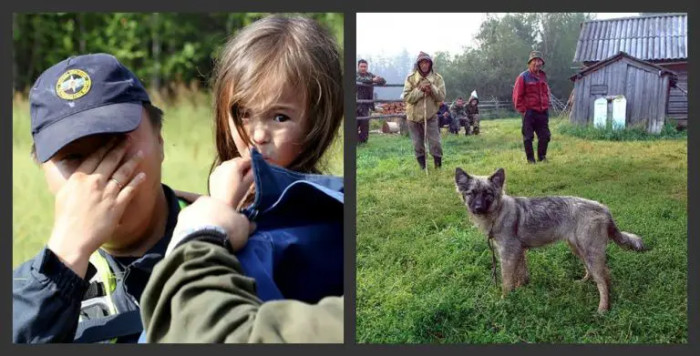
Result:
510,256
521,274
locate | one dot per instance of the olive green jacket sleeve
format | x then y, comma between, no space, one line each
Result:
438,87
199,294
411,91
420,106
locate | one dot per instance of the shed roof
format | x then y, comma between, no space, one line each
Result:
650,38
617,57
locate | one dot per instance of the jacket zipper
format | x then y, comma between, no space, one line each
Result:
131,298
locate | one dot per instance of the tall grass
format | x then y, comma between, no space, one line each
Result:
636,133
423,270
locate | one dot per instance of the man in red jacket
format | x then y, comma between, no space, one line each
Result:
531,99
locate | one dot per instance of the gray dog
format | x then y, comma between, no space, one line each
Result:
516,224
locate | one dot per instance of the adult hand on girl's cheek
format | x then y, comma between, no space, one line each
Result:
231,180
209,211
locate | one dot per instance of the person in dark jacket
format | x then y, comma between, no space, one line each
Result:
97,137
365,92
531,99
444,117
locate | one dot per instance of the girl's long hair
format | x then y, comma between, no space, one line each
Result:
253,69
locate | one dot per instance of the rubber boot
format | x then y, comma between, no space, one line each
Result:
421,162
542,150
529,152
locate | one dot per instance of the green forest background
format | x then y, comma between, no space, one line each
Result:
165,50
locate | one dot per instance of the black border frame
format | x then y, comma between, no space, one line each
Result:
350,8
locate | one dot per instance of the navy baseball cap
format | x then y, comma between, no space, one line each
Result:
82,96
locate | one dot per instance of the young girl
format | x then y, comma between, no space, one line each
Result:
284,73
278,104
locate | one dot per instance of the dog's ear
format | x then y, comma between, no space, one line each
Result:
498,178
462,178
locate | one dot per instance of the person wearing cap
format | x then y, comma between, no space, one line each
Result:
97,138
365,92
423,91
531,99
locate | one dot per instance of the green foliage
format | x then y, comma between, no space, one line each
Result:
163,49
424,270
559,33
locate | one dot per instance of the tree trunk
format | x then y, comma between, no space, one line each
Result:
81,32
15,81
155,48
36,46
229,24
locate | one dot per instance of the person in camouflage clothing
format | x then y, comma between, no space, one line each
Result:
472,122
459,116
365,93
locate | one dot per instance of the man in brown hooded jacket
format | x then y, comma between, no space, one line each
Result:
423,91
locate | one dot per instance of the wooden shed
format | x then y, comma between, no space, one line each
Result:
645,86
659,39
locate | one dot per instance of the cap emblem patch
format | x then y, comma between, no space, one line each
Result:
73,84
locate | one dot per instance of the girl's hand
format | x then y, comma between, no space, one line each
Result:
231,180
208,211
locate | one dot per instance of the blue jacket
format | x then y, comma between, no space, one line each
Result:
296,251
443,121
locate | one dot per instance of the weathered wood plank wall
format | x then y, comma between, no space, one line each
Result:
646,92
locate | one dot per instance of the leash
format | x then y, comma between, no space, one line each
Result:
425,131
489,241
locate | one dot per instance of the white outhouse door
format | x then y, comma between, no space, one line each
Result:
600,112
619,111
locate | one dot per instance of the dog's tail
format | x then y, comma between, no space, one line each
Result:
625,240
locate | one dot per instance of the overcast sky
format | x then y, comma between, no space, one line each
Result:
390,33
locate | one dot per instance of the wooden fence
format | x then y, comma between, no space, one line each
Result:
486,107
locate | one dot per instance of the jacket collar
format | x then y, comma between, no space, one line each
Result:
418,76
271,181
155,253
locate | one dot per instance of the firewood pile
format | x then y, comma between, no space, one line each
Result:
390,108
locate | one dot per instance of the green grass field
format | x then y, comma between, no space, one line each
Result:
424,271
189,151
